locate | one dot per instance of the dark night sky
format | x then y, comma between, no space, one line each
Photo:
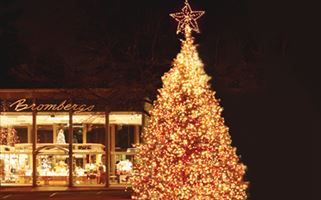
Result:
276,127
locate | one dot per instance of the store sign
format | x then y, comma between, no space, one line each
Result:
22,105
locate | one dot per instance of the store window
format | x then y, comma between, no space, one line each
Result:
89,152
22,134
124,137
78,133
52,149
52,138
125,131
96,134
45,134
15,149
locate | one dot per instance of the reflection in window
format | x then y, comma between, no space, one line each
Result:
124,137
22,133
96,134
44,134
77,134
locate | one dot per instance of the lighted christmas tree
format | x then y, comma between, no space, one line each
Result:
8,136
61,137
187,152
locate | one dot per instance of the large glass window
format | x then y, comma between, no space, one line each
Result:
125,131
45,134
52,148
22,133
89,152
15,148
124,137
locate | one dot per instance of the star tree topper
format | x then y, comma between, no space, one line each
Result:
187,19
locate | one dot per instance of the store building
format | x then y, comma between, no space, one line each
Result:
60,137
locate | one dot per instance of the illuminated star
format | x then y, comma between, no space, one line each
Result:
187,18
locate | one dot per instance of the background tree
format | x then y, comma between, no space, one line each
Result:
8,136
12,49
46,69
107,53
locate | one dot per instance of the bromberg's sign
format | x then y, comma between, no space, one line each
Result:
21,105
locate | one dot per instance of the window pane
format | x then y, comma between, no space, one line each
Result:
52,148
96,134
22,133
124,137
45,134
89,151
15,151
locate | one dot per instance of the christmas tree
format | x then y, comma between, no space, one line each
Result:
8,136
61,137
187,152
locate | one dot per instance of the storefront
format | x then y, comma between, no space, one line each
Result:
53,137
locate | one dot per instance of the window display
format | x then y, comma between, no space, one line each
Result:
52,170
15,167
61,137
123,170
90,170
15,161
48,135
8,136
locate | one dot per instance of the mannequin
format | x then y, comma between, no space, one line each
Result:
61,137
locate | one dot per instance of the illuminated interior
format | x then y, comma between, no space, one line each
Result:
88,138
14,119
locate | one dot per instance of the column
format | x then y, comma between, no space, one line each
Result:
144,123
34,147
70,132
84,134
136,134
84,141
30,133
112,148
54,133
107,148
30,141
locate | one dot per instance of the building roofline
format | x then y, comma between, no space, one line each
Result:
49,89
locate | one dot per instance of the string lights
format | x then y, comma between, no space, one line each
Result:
187,18
187,152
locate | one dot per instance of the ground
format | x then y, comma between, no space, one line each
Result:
64,195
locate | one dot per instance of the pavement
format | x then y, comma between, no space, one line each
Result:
64,193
